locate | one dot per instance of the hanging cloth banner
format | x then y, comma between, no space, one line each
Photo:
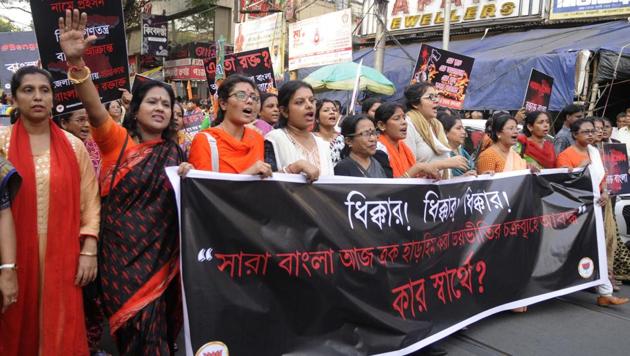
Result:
355,266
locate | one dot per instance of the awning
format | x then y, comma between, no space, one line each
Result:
503,62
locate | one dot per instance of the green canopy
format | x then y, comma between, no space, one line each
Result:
342,77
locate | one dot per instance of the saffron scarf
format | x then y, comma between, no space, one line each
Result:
235,156
63,323
425,127
401,158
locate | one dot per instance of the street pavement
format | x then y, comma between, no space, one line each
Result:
571,325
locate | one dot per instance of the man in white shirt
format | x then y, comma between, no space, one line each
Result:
623,130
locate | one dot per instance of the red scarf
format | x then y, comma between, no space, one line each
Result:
400,159
63,323
545,156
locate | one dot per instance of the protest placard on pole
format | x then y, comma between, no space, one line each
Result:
538,92
106,58
617,170
255,64
154,35
448,71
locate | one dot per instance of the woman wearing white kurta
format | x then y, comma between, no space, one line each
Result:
292,148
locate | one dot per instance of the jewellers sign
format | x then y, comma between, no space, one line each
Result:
413,14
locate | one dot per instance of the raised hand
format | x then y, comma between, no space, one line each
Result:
73,40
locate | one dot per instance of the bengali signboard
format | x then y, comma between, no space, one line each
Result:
616,163
154,35
261,33
106,58
186,62
321,40
538,93
409,14
17,50
375,266
448,71
254,64
575,9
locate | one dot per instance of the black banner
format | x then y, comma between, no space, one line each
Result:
615,160
106,58
154,35
255,64
448,71
538,93
352,266
17,50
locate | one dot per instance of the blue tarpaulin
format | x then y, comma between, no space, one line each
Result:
504,62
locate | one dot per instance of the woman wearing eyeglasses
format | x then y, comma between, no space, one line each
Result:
580,154
360,138
427,139
231,147
292,148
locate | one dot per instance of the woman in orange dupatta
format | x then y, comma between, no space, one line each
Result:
231,147
500,157
390,120
57,220
139,255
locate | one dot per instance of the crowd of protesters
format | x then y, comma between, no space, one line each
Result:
88,214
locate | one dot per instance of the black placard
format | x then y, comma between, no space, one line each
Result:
154,35
17,50
538,93
616,164
448,71
106,58
255,64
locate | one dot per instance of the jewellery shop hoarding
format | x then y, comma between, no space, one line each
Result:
355,266
106,58
412,14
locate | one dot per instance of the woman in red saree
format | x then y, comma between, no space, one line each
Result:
139,251
533,145
56,215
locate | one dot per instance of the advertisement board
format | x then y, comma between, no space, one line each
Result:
321,40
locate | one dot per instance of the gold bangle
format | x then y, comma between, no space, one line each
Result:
80,80
88,254
406,175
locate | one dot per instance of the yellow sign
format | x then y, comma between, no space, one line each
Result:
408,14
